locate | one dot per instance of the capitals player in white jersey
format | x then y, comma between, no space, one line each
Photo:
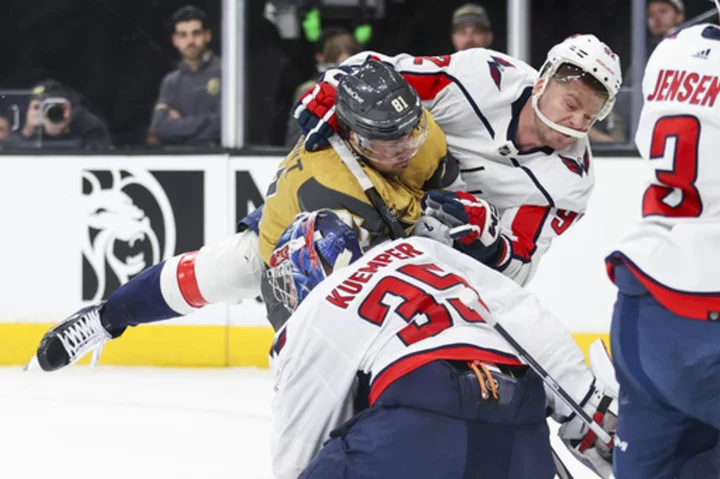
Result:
665,336
519,136
512,96
448,395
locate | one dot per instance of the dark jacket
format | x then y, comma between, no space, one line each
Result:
89,129
85,131
196,96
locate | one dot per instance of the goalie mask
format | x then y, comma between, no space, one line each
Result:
380,116
585,59
312,247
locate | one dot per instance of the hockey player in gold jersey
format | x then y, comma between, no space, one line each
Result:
403,152
401,148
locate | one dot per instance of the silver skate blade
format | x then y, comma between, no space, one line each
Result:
32,364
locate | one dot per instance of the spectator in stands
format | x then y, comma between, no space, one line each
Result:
662,15
471,27
57,117
333,47
609,130
187,111
5,130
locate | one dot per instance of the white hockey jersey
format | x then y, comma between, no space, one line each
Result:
476,96
389,313
675,248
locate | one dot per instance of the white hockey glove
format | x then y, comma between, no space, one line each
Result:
429,227
474,225
602,406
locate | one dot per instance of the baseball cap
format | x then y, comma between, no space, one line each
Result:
48,88
676,4
471,13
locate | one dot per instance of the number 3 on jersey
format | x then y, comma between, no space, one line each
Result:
659,199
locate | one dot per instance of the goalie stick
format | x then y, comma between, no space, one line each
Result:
470,299
351,161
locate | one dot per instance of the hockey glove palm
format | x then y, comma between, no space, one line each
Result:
429,227
473,222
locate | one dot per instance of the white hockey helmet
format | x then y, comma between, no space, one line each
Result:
593,57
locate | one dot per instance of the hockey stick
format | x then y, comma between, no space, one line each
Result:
348,157
470,299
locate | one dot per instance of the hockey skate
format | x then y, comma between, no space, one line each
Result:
73,338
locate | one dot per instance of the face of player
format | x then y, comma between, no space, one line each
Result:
661,17
468,35
569,103
191,39
280,279
391,157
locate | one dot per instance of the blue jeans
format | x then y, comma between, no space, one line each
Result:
668,368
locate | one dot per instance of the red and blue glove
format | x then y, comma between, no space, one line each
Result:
315,110
473,222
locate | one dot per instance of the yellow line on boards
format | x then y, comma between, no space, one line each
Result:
174,346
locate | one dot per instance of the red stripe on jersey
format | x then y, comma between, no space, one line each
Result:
187,281
503,257
610,269
687,304
409,364
427,85
526,227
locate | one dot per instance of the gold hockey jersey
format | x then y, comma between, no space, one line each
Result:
308,181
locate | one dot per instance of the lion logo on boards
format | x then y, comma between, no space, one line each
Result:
130,226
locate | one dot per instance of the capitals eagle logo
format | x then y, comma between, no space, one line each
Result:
497,66
580,167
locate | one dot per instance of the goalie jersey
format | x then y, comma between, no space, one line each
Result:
309,181
476,96
387,314
675,249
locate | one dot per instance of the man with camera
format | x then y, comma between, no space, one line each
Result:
55,117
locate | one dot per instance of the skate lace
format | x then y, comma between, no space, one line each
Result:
84,335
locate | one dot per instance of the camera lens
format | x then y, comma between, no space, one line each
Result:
55,113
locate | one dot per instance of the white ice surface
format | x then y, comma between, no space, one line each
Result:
141,423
